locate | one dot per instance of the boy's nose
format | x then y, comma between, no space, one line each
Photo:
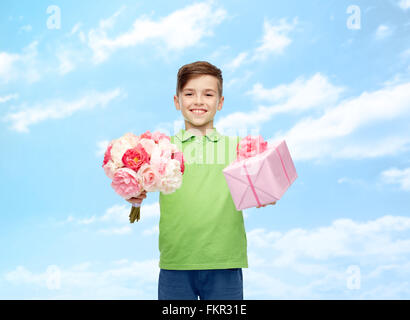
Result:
198,99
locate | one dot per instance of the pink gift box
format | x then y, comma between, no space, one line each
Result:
261,179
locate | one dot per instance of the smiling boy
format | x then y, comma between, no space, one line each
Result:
202,238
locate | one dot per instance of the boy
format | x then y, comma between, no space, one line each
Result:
202,239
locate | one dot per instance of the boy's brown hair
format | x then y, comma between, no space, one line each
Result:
198,68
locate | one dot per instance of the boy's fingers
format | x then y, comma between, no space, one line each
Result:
134,200
264,205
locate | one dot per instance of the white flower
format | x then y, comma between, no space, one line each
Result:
167,148
148,145
118,149
173,177
109,169
131,138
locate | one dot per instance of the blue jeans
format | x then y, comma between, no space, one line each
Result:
213,284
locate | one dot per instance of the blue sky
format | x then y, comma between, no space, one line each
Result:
333,81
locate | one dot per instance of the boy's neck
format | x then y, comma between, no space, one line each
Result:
199,131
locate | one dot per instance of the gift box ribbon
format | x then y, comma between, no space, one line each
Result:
250,181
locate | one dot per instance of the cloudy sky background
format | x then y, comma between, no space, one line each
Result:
332,78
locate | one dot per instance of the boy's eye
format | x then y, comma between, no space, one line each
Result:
190,94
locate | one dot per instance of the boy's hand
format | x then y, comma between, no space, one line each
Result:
138,199
272,203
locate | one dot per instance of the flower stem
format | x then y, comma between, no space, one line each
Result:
135,214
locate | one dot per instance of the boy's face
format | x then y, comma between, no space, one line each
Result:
199,93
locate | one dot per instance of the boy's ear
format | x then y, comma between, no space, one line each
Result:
221,102
176,102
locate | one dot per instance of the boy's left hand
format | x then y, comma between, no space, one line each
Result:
272,203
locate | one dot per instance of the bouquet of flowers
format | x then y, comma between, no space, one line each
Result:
147,162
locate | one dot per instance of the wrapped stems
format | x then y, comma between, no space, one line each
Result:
135,212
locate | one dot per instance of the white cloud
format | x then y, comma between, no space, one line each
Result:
117,217
14,66
7,61
26,28
404,4
101,147
116,231
57,109
170,127
301,95
275,38
66,63
120,213
314,263
343,238
383,32
8,97
373,148
239,81
405,54
351,181
116,214
265,285
195,22
397,176
300,263
331,132
274,41
75,28
125,280
22,275
236,62
151,231
317,137
70,53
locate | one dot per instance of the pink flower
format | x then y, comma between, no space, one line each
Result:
147,135
134,158
158,136
107,155
125,183
155,136
149,177
250,146
109,169
180,157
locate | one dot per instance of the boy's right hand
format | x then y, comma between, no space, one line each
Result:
138,199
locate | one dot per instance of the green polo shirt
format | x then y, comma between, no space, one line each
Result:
199,226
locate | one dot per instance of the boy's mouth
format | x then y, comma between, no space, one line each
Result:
198,111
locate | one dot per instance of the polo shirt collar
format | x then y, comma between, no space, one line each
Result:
184,135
